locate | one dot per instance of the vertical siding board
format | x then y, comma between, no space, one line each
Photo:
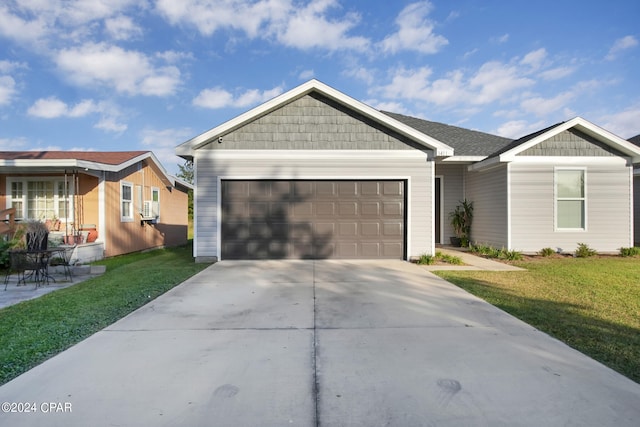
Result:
533,209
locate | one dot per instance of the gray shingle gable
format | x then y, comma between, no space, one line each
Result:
465,142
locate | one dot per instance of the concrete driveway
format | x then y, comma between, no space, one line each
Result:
330,343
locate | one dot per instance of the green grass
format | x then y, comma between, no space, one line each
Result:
592,304
35,330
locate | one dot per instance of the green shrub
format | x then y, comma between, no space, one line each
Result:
426,260
546,252
584,251
633,251
449,259
510,255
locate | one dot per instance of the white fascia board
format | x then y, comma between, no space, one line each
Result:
39,163
485,164
310,154
585,126
463,159
187,148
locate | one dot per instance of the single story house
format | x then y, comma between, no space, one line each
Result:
111,203
314,173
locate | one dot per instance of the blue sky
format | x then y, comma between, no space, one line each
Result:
148,75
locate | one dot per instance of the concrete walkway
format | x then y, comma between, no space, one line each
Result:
472,262
321,343
15,294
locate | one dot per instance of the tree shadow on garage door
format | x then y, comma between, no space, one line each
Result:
271,219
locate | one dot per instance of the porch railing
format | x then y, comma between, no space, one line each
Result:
7,221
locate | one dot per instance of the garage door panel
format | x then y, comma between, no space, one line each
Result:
312,219
325,208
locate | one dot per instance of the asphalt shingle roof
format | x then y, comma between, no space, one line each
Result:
635,140
465,142
105,157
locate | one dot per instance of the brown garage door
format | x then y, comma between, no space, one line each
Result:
313,219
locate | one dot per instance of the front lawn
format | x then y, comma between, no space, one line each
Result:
592,304
35,330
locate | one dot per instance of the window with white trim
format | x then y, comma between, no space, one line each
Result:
570,199
41,198
126,201
155,202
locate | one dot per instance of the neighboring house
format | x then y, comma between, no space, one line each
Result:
119,202
314,173
636,195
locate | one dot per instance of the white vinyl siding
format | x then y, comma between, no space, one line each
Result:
488,191
361,165
636,209
607,209
570,199
452,194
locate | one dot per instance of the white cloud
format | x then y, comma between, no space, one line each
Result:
110,124
360,73
415,31
126,71
543,106
11,144
163,142
16,28
517,128
306,74
308,28
48,108
213,15
620,45
7,89
40,22
557,73
495,81
625,123
392,107
492,82
535,58
301,26
220,98
52,107
122,28
500,39
9,66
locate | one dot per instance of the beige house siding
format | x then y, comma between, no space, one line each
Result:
412,167
488,190
125,237
608,207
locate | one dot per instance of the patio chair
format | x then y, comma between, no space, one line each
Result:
64,260
21,263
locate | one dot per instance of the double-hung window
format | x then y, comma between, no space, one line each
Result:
41,198
126,201
571,199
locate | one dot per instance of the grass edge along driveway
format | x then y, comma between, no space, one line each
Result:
35,330
591,304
